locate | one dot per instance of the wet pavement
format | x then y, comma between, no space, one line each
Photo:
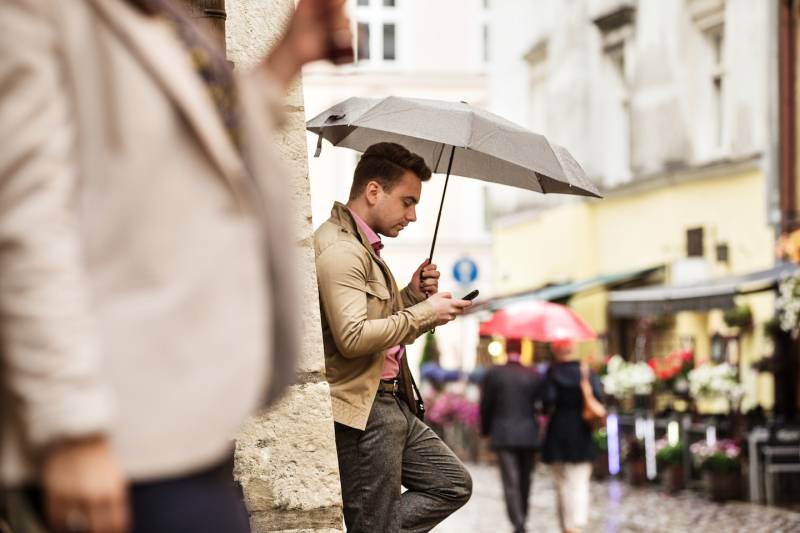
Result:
616,508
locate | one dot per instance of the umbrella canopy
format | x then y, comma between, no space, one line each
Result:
484,146
454,137
539,321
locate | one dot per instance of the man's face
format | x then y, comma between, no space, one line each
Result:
392,211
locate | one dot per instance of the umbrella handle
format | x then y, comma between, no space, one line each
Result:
441,205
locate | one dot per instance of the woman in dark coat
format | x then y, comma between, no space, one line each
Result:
568,447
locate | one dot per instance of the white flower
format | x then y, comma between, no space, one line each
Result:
715,381
623,378
788,305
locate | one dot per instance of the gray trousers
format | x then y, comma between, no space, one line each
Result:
516,468
396,449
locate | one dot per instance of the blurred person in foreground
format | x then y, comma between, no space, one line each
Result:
366,322
146,294
568,446
509,406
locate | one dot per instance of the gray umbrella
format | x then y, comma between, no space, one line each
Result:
454,137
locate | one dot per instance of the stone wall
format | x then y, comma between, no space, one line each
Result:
286,459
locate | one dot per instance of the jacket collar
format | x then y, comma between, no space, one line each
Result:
342,217
161,54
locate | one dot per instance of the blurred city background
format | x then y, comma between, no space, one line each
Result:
683,113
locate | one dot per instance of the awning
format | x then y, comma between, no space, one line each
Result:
712,294
565,290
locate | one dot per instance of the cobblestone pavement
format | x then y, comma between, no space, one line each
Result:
616,508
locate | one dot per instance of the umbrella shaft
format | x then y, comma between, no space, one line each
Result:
441,205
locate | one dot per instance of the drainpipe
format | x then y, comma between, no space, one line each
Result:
787,56
771,159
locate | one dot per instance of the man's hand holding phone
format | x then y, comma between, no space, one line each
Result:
447,308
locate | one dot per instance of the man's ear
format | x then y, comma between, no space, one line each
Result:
372,192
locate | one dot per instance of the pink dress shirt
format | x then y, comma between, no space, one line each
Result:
391,367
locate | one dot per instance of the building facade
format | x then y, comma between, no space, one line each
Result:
667,106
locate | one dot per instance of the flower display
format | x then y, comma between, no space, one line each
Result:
672,370
788,305
723,456
447,407
623,379
715,381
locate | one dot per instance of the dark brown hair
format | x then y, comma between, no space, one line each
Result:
385,163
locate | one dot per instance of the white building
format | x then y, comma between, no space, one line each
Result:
636,88
425,50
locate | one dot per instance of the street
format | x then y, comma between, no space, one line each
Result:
616,508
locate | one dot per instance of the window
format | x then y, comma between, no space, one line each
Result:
389,42
485,43
616,32
483,32
708,17
378,31
716,38
694,242
363,41
723,253
537,93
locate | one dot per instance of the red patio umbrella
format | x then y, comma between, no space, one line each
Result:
539,321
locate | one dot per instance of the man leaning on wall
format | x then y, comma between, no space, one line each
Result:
366,323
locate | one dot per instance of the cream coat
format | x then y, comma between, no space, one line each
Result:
139,272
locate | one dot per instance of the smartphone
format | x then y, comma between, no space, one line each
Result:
472,295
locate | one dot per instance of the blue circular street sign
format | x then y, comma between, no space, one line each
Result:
465,271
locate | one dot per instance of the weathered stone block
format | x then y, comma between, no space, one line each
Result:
286,462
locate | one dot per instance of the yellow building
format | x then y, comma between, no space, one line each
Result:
703,231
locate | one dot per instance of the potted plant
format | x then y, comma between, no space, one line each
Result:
600,467
740,316
669,459
720,464
635,463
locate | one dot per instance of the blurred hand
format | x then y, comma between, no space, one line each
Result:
426,279
85,489
314,27
446,307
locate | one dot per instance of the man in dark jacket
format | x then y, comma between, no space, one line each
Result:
509,405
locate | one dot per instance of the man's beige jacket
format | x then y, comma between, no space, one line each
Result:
140,274
363,315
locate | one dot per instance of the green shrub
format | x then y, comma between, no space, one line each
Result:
669,455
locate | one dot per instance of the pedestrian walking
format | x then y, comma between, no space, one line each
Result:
146,293
509,406
366,321
570,389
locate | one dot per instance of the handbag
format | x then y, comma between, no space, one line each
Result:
593,412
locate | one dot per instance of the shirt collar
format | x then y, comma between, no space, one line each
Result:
372,237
